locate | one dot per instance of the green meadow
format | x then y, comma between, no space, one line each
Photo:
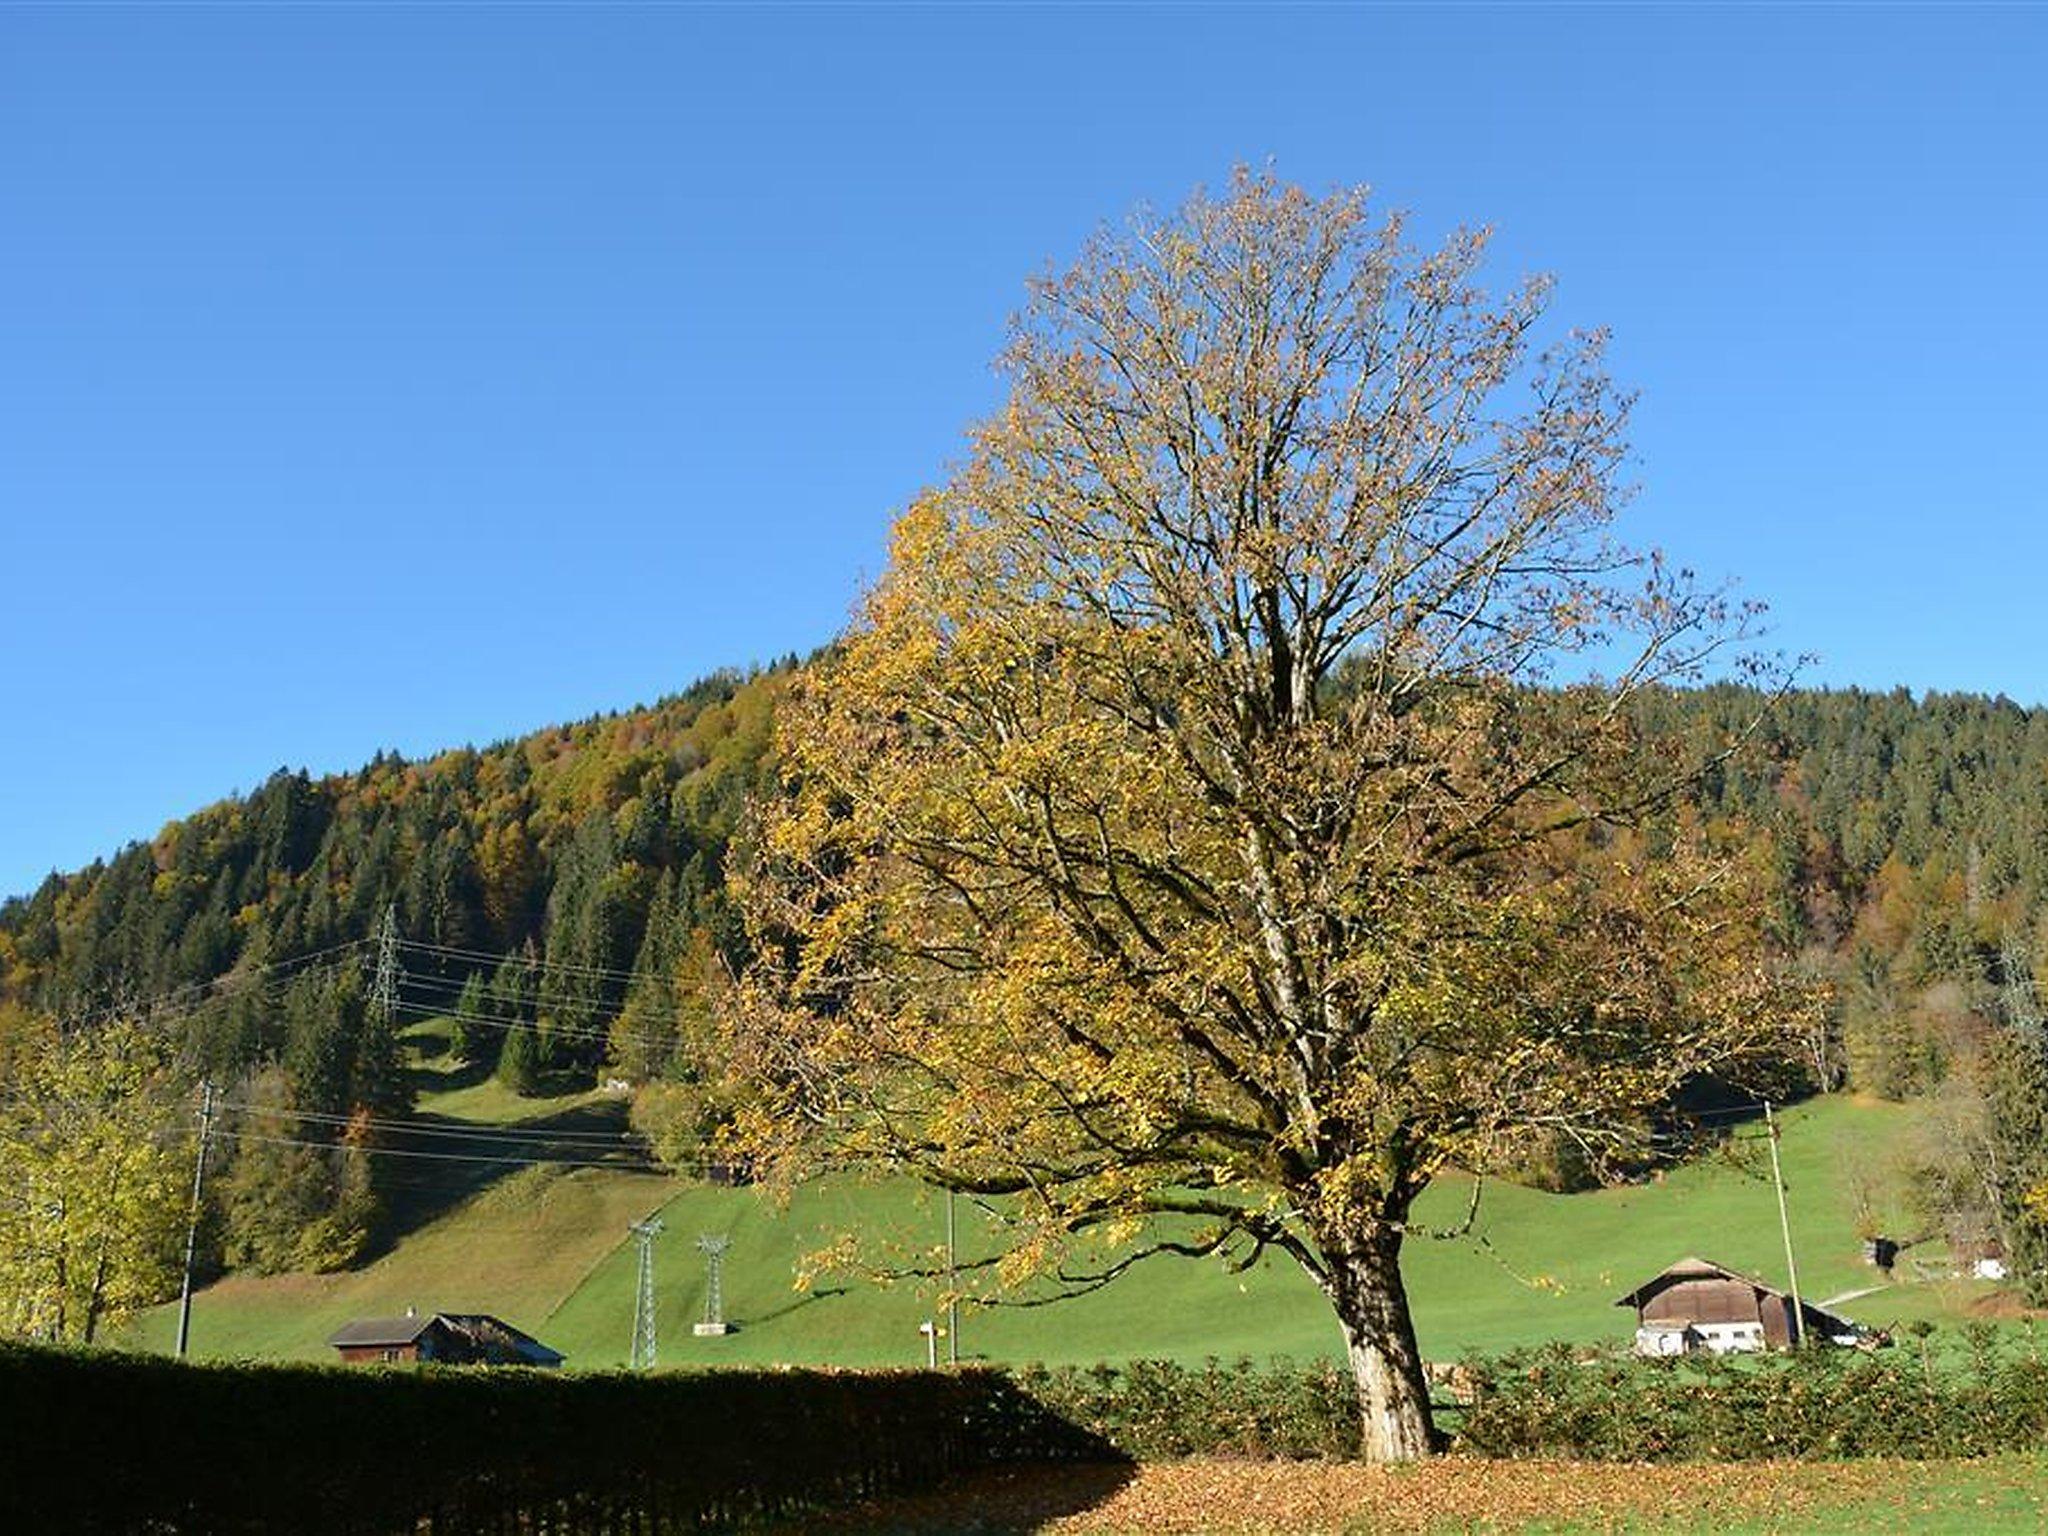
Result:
548,1249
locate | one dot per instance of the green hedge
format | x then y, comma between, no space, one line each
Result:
1978,1393
1153,1410
1991,1395
116,1443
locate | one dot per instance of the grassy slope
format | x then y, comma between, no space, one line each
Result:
548,1250
1538,1267
515,1249
483,1237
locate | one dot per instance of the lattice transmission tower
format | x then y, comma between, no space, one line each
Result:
384,990
644,1233
713,1246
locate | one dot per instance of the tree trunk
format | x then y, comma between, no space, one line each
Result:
95,1298
1365,1288
60,1315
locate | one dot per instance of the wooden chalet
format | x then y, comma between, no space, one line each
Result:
444,1338
1699,1305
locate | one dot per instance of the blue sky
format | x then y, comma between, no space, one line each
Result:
398,376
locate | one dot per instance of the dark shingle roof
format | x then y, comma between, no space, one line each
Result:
491,1338
487,1330
1690,1268
374,1331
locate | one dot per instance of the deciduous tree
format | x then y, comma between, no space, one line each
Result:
1225,814
92,1182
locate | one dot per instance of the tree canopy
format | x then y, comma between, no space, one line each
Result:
92,1182
1228,808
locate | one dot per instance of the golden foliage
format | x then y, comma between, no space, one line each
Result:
91,1189
1193,825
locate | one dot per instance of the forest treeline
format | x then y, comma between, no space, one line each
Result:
580,844
562,900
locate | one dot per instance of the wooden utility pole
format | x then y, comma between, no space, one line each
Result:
192,1227
952,1287
1796,1332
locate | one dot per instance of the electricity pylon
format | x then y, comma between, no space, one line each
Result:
384,990
713,1245
644,1233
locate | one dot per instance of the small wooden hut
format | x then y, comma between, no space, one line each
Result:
444,1338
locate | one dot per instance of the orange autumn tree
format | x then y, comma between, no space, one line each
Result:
1211,830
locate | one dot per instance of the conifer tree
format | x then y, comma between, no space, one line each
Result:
469,1032
519,1061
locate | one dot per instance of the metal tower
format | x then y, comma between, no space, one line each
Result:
644,1233
713,1245
384,990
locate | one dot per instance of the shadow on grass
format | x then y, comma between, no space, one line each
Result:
1033,1466
1026,1497
436,1071
447,1161
808,1299
434,1077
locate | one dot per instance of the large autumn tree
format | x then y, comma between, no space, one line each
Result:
1225,814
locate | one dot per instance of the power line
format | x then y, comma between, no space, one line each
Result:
516,1142
1725,1112
491,991
540,962
173,1000
487,994
195,1008
622,1140
154,1011
542,970
426,1011
437,1128
592,1142
390,979
162,1008
454,1157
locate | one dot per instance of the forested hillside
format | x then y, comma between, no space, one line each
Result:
561,899
530,880
1910,843
573,841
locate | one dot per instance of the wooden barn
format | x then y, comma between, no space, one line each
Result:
444,1338
1700,1305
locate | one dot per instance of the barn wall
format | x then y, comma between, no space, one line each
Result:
1707,1301
373,1354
